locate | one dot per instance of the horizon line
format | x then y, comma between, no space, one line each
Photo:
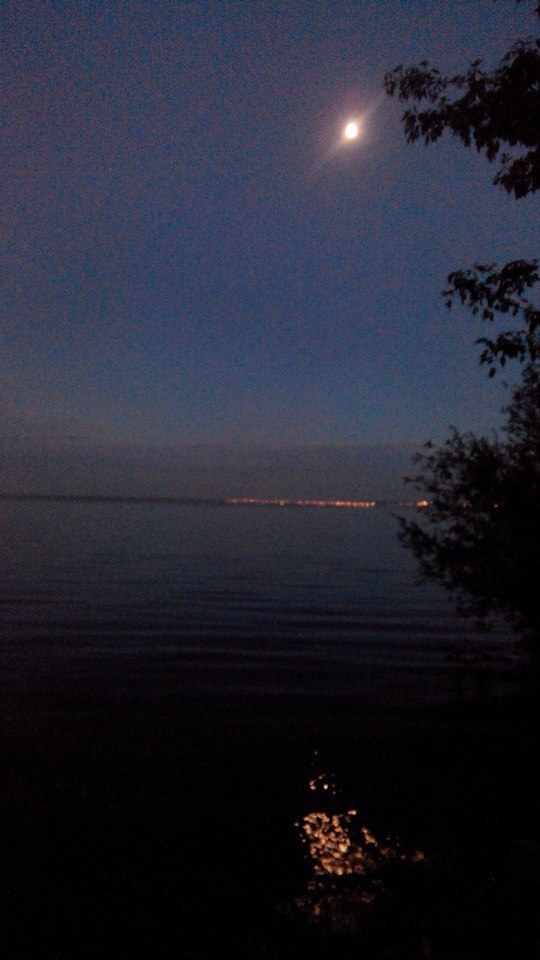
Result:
338,503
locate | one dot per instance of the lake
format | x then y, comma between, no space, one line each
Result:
239,731
233,599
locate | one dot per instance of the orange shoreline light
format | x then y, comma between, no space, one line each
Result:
274,502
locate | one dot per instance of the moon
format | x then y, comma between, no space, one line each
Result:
351,131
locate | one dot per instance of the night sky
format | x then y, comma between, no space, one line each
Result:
190,254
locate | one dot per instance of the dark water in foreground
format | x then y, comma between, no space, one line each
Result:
234,731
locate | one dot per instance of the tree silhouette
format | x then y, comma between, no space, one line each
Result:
498,113
480,533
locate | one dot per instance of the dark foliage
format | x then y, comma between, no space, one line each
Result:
488,291
480,534
498,113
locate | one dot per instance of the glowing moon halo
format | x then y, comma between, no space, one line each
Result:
351,131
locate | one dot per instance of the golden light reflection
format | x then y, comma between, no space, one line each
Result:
349,863
333,851
323,782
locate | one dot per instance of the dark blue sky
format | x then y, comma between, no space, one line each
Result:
185,256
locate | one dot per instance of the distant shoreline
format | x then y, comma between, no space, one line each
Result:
215,501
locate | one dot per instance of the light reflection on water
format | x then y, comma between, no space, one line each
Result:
350,866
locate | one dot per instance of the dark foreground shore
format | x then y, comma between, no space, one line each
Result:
171,826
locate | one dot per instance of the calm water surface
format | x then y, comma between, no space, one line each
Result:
242,599
222,738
